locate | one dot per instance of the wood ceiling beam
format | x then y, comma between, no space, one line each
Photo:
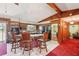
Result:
49,18
63,14
55,7
68,12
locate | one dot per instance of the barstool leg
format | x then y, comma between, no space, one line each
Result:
30,48
24,49
12,47
15,48
40,49
40,46
46,47
29,52
21,48
28,45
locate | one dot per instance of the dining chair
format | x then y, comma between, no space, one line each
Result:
15,42
42,44
26,42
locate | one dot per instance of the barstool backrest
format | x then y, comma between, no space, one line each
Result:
14,36
45,37
25,36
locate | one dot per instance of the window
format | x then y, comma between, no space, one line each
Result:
73,29
2,32
31,28
54,29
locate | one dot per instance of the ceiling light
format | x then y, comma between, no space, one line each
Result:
70,14
5,9
71,22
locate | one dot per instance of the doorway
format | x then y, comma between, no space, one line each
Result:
54,31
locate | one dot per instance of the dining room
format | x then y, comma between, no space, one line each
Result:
38,29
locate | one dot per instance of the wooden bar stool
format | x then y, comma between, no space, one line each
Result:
42,41
26,42
15,42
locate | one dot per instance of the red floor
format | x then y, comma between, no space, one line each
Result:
67,48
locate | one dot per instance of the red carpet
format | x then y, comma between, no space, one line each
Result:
67,48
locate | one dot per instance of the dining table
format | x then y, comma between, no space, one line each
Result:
31,35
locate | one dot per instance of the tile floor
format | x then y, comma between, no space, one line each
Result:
35,52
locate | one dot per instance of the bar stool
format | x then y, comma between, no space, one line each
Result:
15,42
26,42
42,44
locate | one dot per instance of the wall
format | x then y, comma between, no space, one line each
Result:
3,48
65,28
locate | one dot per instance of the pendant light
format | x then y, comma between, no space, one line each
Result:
19,23
5,12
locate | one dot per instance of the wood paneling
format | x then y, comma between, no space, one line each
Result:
4,19
14,23
60,32
23,25
65,27
63,31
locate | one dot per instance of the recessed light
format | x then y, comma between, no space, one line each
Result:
70,14
71,22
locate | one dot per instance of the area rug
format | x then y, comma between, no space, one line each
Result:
69,47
